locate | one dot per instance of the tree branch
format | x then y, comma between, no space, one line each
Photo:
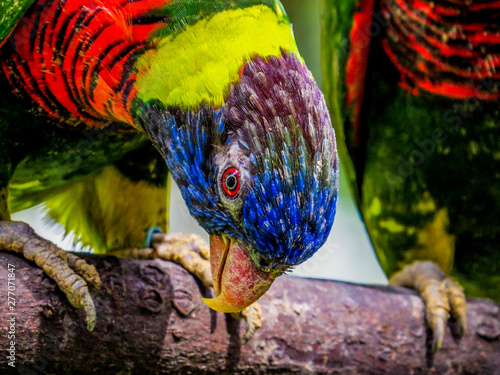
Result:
150,319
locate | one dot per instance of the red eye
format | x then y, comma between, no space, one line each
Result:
231,181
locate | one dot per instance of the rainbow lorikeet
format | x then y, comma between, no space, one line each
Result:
416,87
108,97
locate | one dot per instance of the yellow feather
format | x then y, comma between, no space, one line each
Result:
198,64
108,211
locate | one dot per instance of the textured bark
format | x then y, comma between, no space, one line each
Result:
150,319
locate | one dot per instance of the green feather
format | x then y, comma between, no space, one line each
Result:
11,12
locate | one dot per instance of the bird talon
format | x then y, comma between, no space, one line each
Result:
89,307
460,327
442,297
85,270
458,306
438,333
253,317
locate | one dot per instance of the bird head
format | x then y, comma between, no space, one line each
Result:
260,174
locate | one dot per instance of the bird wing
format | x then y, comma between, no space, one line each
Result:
345,50
110,207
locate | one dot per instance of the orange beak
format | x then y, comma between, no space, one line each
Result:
237,281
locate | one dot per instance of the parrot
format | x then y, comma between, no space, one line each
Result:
414,88
103,100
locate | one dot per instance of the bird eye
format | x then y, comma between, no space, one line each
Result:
231,181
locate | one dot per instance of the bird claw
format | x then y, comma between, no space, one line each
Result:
437,328
69,272
442,297
88,306
253,317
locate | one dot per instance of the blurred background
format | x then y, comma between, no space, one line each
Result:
347,255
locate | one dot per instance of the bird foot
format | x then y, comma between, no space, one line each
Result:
71,273
253,317
189,250
441,296
193,253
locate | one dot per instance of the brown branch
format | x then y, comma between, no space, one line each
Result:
150,319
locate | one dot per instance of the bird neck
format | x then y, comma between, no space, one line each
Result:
85,62
198,64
